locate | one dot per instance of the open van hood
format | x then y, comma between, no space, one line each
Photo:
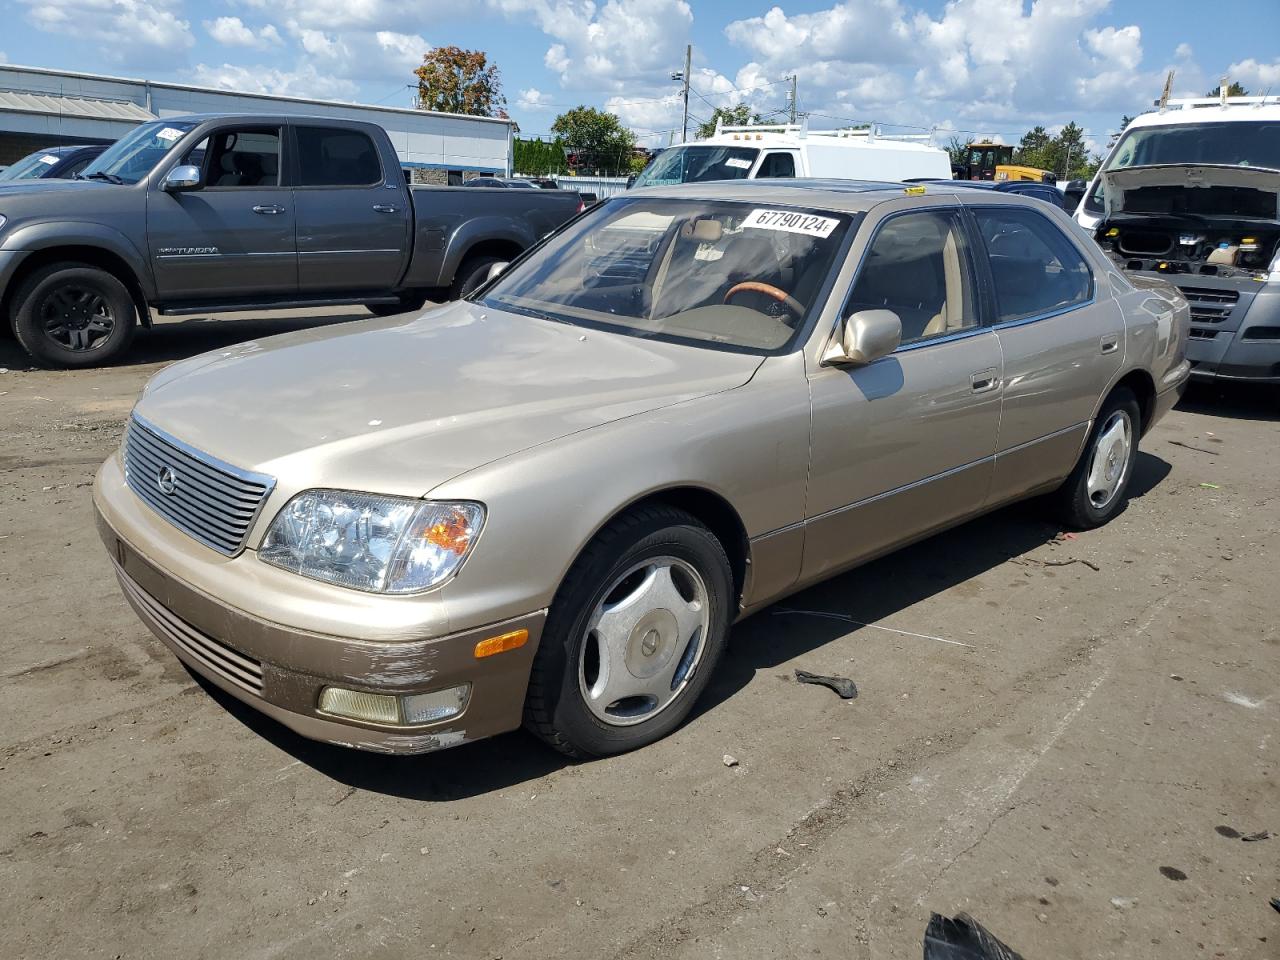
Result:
1132,189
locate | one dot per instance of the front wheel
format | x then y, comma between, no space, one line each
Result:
73,315
1098,486
470,275
633,635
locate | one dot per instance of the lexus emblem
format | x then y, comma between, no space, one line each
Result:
167,481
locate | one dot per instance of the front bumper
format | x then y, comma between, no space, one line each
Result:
1235,328
281,670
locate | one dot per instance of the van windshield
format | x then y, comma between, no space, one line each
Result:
1244,143
696,164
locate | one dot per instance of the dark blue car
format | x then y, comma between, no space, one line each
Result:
1029,188
61,163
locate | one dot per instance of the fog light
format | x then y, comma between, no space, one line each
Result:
409,710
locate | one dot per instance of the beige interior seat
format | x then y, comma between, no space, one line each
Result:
951,316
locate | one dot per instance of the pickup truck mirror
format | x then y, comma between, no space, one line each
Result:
496,270
182,178
863,338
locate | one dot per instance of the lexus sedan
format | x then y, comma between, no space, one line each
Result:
547,503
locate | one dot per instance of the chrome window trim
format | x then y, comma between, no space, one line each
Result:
1036,318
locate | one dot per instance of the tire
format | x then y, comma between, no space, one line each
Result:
473,272
406,304
73,315
1097,490
570,701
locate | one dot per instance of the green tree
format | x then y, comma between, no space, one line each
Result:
537,157
594,140
736,116
1124,125
958,149
1234,89
453,80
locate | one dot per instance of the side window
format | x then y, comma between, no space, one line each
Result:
334,157
917,266
777,165
248,157
70,170
1036,269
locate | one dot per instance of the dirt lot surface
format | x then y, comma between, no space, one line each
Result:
1063,737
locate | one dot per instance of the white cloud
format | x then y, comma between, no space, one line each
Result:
130,31
1183,51
1254,76
232,32
304,82
533,99
403,51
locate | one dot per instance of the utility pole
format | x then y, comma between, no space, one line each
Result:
793,99
688,63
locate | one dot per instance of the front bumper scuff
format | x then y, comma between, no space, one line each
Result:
280,671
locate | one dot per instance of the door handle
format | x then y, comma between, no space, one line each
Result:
384,208
1110,343
984,380
268,208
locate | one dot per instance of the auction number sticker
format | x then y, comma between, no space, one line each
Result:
49,158
738,163
170,134
789,222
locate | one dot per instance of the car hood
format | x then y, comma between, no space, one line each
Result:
22,188
1124,184
402,404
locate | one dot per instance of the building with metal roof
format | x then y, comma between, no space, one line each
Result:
45,108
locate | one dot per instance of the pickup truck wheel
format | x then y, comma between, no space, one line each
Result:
470,275
73,315
633,635
1096,490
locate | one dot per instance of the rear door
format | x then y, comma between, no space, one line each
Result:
231,239
352,215
1062,342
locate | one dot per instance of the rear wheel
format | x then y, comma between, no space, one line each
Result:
633,636
473,272
73,315
1097,489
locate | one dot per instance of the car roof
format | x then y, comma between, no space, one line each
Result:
848,196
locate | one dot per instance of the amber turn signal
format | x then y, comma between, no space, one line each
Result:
502,643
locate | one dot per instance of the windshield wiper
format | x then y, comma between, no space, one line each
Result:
99,175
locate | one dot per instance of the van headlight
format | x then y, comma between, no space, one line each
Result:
367,542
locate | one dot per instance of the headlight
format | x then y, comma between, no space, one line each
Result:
366,542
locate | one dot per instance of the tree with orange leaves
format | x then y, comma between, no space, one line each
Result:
453,80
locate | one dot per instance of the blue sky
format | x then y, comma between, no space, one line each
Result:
974,66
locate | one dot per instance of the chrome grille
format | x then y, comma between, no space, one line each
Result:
207,499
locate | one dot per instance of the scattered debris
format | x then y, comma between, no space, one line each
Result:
873,626
847,689
1260,835
1210,486
1275,902
1192,446
1123,903
1229,832
963,938
730,760
1240,700
1172,873
1174,676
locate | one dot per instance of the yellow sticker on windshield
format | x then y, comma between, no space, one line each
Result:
914,191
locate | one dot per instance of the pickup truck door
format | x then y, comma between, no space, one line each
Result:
904,445
233,238
1061,335
353,212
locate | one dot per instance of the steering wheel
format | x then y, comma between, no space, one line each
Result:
769,290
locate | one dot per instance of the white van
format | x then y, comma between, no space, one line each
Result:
788,150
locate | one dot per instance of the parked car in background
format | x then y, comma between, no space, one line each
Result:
544,183
1191,193
222,213
54,162
763,151
1026,188
499,183
546,503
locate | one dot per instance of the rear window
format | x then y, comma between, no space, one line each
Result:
334,157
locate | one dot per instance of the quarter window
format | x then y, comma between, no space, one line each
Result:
333,157
917,266
1036,270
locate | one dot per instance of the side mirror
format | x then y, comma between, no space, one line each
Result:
495,270
864,338
182,178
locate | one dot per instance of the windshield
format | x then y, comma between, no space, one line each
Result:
132,158
695,164
1249,143
714,274
29,168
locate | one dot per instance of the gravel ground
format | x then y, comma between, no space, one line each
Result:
1061,736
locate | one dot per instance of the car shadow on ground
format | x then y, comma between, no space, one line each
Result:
177,339
762,642
1241,401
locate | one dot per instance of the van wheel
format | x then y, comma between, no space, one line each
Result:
1098,486
633,635
470,275
73,315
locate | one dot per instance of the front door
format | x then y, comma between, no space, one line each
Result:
232,239
353,216
904,445
1061,338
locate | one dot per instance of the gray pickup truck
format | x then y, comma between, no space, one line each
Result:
222,213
